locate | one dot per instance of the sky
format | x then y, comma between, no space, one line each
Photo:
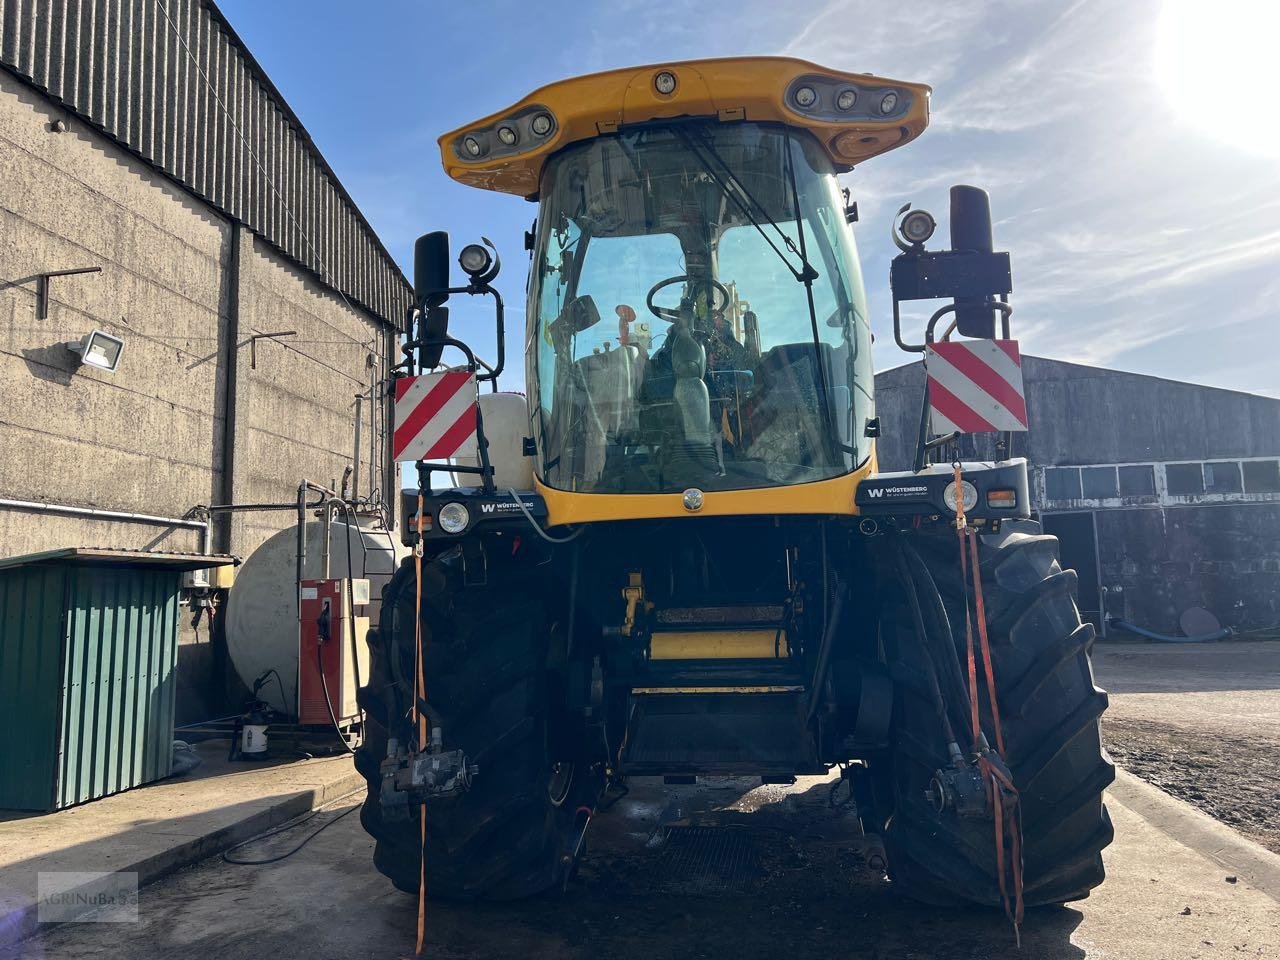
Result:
1130,147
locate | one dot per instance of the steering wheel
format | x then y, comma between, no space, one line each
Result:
670,315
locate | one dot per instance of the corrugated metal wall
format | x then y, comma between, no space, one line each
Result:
32,600
87,662
170,80
118,681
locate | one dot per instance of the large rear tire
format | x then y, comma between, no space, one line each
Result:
1049,708
486,670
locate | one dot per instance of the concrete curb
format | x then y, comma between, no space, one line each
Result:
22,923
1239,856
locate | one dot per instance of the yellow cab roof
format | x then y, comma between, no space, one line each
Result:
761,89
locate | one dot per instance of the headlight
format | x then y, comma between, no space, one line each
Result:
541,124
948,496
846,99
665,83
806,97
888,103
454,518
507,135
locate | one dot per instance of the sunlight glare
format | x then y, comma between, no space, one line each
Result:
1214,61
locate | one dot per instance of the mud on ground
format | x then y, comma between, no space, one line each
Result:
1235,779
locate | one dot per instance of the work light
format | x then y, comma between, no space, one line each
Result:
474,259
98,349
918,226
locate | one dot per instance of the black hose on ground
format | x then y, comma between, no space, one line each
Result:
1137,631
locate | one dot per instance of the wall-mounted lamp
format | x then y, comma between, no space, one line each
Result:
98,349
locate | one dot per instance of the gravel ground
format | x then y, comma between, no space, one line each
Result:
1201,722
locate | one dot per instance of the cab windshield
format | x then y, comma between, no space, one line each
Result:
697,314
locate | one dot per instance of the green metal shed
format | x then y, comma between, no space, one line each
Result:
88,650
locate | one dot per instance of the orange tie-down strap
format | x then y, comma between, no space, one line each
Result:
420,724
1002,794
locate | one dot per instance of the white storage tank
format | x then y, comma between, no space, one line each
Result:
261,616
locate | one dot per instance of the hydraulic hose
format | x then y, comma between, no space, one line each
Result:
534,523
940,638
930,662
1136,630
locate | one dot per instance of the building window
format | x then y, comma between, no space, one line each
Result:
1138,481
1222,477
1062,484
1262,476
1098,483
1184,479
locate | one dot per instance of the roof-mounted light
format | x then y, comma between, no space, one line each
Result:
664,81
888,103
845,99
525,130
805,97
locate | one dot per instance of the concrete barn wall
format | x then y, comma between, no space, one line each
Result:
146,438
1083,415
149,437
185,289
1223,558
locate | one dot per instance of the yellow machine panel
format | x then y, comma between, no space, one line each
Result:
718,645
854,115
834,497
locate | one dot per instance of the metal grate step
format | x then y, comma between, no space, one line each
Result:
708,859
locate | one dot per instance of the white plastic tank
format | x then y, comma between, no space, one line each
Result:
261,617
506,424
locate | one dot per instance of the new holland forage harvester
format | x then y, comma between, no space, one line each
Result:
678,557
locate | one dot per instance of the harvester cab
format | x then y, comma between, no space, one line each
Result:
677,556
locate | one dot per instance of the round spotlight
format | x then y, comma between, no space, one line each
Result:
846,99
665,82
454,517
475,259
918,226
806,97
507,135
948,496
541,124
888,103
472,146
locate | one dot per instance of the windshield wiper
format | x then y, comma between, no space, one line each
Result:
736,190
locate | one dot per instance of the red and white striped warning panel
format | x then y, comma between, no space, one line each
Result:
975,386
435,415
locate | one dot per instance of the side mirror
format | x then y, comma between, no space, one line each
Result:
971,231
431,269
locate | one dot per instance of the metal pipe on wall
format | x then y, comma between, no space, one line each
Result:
39,506
355,458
